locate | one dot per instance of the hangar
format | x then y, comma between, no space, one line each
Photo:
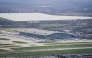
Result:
45,34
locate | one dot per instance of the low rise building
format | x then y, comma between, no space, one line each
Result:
44,34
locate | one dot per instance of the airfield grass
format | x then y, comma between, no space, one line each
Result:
11,29
4,39
62,25
2,50
6,44
9,46
19,42
53,46
48,52
76,26
89,50
52,25
58,43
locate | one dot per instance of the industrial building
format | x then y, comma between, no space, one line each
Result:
44,34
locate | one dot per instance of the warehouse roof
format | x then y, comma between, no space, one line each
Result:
38,31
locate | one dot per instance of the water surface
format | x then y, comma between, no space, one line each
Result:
38,17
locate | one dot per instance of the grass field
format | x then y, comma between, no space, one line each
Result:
6,44
52,25
19,42
54,46
77,26
58,43
9,46
4,39
62,25
26,49
11,29
2,50
48,52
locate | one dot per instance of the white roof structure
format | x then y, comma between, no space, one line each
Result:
38,31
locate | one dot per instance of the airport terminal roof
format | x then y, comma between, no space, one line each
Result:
38,31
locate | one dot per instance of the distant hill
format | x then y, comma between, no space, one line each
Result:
60,7
4,21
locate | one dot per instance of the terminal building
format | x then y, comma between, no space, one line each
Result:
44,34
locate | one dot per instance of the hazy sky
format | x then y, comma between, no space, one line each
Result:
37,16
